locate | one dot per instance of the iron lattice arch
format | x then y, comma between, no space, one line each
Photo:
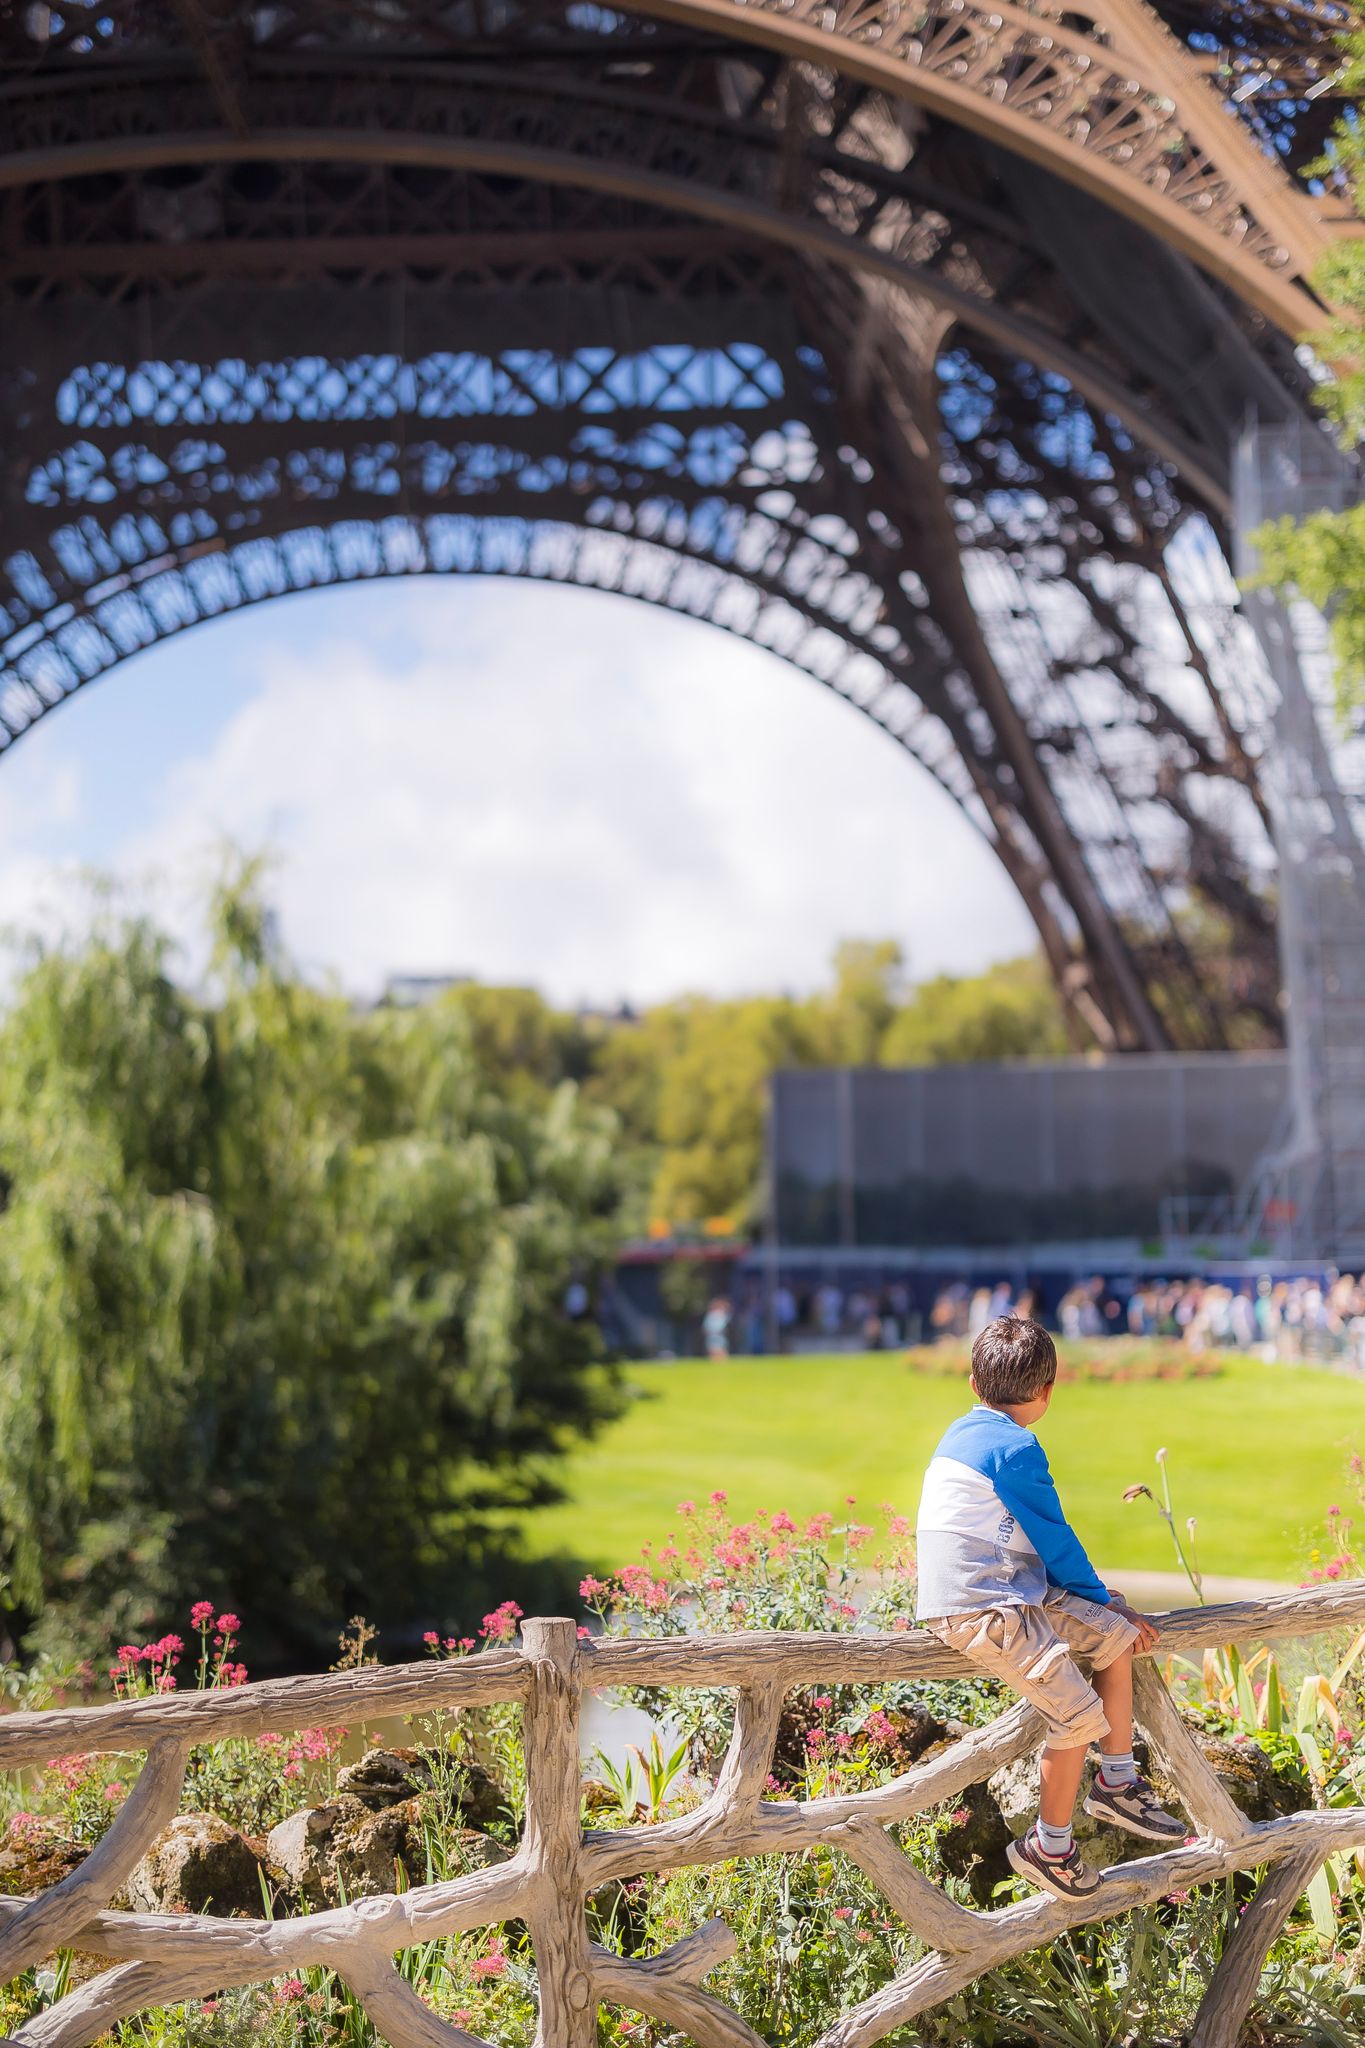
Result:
817,322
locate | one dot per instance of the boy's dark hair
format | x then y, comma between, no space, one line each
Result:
1013,1360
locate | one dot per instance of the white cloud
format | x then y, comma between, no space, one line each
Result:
543,786
43,803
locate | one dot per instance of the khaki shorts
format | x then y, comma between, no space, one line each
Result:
1031,1648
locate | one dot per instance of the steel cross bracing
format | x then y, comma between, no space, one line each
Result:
721,306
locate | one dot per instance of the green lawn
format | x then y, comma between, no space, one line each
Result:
1256,1454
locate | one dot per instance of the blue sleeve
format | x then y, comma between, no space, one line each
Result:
1026,1487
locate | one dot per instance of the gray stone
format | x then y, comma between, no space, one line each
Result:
480,1800
1015,1789
389,1777
198,1865
347,1850
385,1777
1246,1774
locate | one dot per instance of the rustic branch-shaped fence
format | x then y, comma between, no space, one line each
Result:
163,1959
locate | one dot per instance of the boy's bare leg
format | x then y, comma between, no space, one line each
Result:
1060,1771
1115,1687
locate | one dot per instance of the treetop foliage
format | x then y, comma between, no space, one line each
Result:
280,1291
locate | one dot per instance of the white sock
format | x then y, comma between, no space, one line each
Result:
1055,1842
1117,1770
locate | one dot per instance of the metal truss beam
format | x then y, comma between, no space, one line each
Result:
753,220
746,312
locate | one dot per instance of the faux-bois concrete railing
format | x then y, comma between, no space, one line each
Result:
160,1959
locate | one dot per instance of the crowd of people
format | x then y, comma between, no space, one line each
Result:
1309,1317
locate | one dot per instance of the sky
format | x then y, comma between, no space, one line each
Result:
512,781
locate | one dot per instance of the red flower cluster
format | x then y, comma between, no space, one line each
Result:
501,1625
309,1746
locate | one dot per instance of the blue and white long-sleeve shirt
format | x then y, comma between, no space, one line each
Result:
991,1528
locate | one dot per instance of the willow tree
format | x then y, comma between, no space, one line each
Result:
280,1293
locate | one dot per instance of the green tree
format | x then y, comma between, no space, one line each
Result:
520,1040
280,1292
869,986
1323,556
712,1100
1009,1012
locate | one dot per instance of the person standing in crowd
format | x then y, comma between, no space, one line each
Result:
715,1326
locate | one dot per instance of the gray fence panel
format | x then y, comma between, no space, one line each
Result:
1018,1153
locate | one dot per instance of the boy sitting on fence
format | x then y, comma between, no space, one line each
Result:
1004,1580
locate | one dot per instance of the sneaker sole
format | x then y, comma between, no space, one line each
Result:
1130,1827
1034,1875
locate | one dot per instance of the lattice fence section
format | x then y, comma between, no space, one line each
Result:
163,1959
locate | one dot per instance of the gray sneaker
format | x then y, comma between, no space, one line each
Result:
1136,1809
1066,1877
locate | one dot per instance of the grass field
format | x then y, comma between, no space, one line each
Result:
1256,1454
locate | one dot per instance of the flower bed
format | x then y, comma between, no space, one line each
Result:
1114,1359
814,1933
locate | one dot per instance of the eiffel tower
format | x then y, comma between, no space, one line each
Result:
910,341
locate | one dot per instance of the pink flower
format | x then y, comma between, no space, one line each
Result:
114,1790
843,1912
201,1614
718,1499
687,1507
466,1642
822,1702
228,1625
128,1654
501,1625
1333,1570
783,1525
491,1965
584,1634
290,1991
591,1588
431,1639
